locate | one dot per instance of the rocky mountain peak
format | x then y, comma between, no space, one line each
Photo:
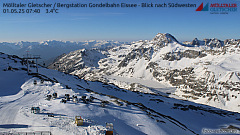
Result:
195,42
232,42
165,37
214,42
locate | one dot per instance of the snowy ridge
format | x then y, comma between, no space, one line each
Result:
130,112
77,60
205,71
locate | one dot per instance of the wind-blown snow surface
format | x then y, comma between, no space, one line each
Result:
130,112
205,72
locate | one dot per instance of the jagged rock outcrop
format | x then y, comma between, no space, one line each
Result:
192,54
232,42
214,42
195,42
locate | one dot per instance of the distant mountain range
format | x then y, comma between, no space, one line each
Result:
49,50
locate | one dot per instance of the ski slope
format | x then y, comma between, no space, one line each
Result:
130,112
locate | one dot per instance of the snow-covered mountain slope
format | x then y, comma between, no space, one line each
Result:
77,60
205,71
130,112
49,50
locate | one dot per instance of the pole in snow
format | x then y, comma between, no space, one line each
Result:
37,65
30,57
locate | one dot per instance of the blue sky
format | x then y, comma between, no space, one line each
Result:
122,24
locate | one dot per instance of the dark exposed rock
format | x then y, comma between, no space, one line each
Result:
232,42
195,42
192,54
136,53
214,42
